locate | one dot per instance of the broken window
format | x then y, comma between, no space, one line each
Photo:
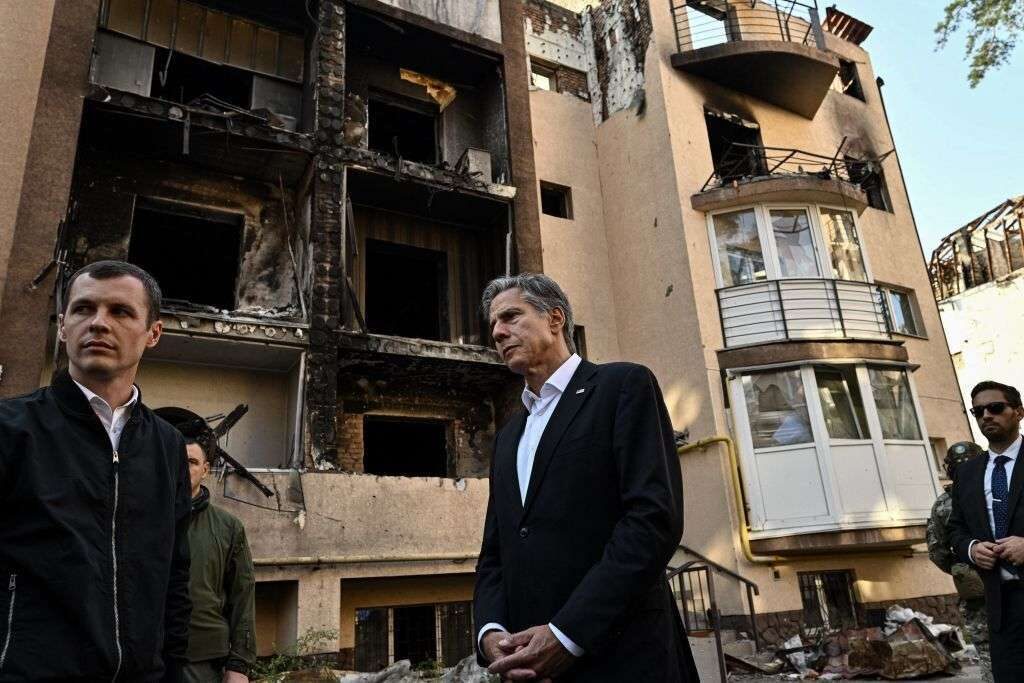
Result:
736,148
846,80
406,291
277,613
740,256
403,127
841,405
827,599
193,254
542,76
401,447
895,403
901,307
870,177
555,200
843,244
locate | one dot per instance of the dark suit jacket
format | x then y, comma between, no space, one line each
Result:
969,521
603,516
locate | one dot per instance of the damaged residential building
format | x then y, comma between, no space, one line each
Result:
977,275
323,188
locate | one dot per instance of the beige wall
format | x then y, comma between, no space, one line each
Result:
24,33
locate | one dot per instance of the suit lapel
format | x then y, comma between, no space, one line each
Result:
1016,481
580,389
505,455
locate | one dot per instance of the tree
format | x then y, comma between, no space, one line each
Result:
991,36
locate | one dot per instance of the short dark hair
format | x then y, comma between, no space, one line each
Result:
1011,394
206,444
107,270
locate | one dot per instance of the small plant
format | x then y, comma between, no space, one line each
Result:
294,657
428,667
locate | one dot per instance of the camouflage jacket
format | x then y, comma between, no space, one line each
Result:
940,551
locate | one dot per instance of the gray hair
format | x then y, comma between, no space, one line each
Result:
539,291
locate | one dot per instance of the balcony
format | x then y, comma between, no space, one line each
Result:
801,310
771,49
747,173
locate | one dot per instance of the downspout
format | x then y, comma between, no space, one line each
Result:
737,496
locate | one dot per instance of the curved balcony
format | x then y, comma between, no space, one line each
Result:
802,310
771,49
751,173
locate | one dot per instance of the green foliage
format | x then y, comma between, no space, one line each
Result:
292,659
992,29
428,667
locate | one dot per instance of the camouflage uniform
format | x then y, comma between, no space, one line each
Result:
965,578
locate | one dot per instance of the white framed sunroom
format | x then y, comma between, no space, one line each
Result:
831,445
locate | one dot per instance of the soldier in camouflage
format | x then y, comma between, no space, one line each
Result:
965,578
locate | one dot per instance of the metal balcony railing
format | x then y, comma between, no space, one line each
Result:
802,309
703,23
742,162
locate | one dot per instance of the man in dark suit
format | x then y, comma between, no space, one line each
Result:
988,526
585,509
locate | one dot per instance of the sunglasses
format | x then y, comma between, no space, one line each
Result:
995,408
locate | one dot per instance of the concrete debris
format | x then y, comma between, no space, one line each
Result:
909,645
466,671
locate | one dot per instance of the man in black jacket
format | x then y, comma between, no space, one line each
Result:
94,502
585,509
987,523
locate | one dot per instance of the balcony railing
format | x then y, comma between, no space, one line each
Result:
802,309
702,23
743,163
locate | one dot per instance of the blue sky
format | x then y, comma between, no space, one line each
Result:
960,148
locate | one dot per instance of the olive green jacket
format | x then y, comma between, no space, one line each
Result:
222,587
965,577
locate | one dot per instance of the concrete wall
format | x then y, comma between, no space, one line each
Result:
985,327
480,17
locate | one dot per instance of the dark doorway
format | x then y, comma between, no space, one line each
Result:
193,255
406,291
405,448
736,147
415,634
411,125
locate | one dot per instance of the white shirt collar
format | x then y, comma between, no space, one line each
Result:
1012,452
92,397
555,384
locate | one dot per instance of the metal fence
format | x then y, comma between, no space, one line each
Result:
742,161
703,23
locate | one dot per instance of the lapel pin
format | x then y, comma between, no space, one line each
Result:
580,391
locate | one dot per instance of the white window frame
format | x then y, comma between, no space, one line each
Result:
888,291
835,518
769,250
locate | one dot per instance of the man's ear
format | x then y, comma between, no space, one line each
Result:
60,328
155,331
557,319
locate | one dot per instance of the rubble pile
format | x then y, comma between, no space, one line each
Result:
909,645
466,671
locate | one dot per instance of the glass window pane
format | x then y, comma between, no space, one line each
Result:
190,28
292,57
215,36
126,16
841,402
266,50
162,15
777,408
891,390
794,243
240,51
843,245
901,313
739,248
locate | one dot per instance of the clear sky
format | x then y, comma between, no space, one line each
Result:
962,150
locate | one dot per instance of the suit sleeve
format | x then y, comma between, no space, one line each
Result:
240,605
489,593
651,526
178,607
959,533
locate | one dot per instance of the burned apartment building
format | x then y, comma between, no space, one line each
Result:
323,188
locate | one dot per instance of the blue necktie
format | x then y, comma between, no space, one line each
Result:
1000,496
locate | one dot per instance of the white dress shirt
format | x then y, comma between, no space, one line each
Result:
1012,452
539,409
113,419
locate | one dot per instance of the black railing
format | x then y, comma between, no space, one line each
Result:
693,584
744,163
702,23
801,309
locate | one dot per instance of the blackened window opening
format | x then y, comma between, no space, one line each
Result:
848,81
415,634
410,130
827,599
406,291
188,78
398,447
736,149
555,200
869,175
194,257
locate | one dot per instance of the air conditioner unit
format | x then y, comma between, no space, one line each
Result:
476,163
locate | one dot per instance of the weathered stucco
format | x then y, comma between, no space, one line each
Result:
479,17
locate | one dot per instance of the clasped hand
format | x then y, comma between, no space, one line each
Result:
528,655
987,554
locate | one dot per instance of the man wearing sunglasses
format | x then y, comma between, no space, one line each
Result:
986,527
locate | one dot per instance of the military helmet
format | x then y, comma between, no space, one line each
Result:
960,453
